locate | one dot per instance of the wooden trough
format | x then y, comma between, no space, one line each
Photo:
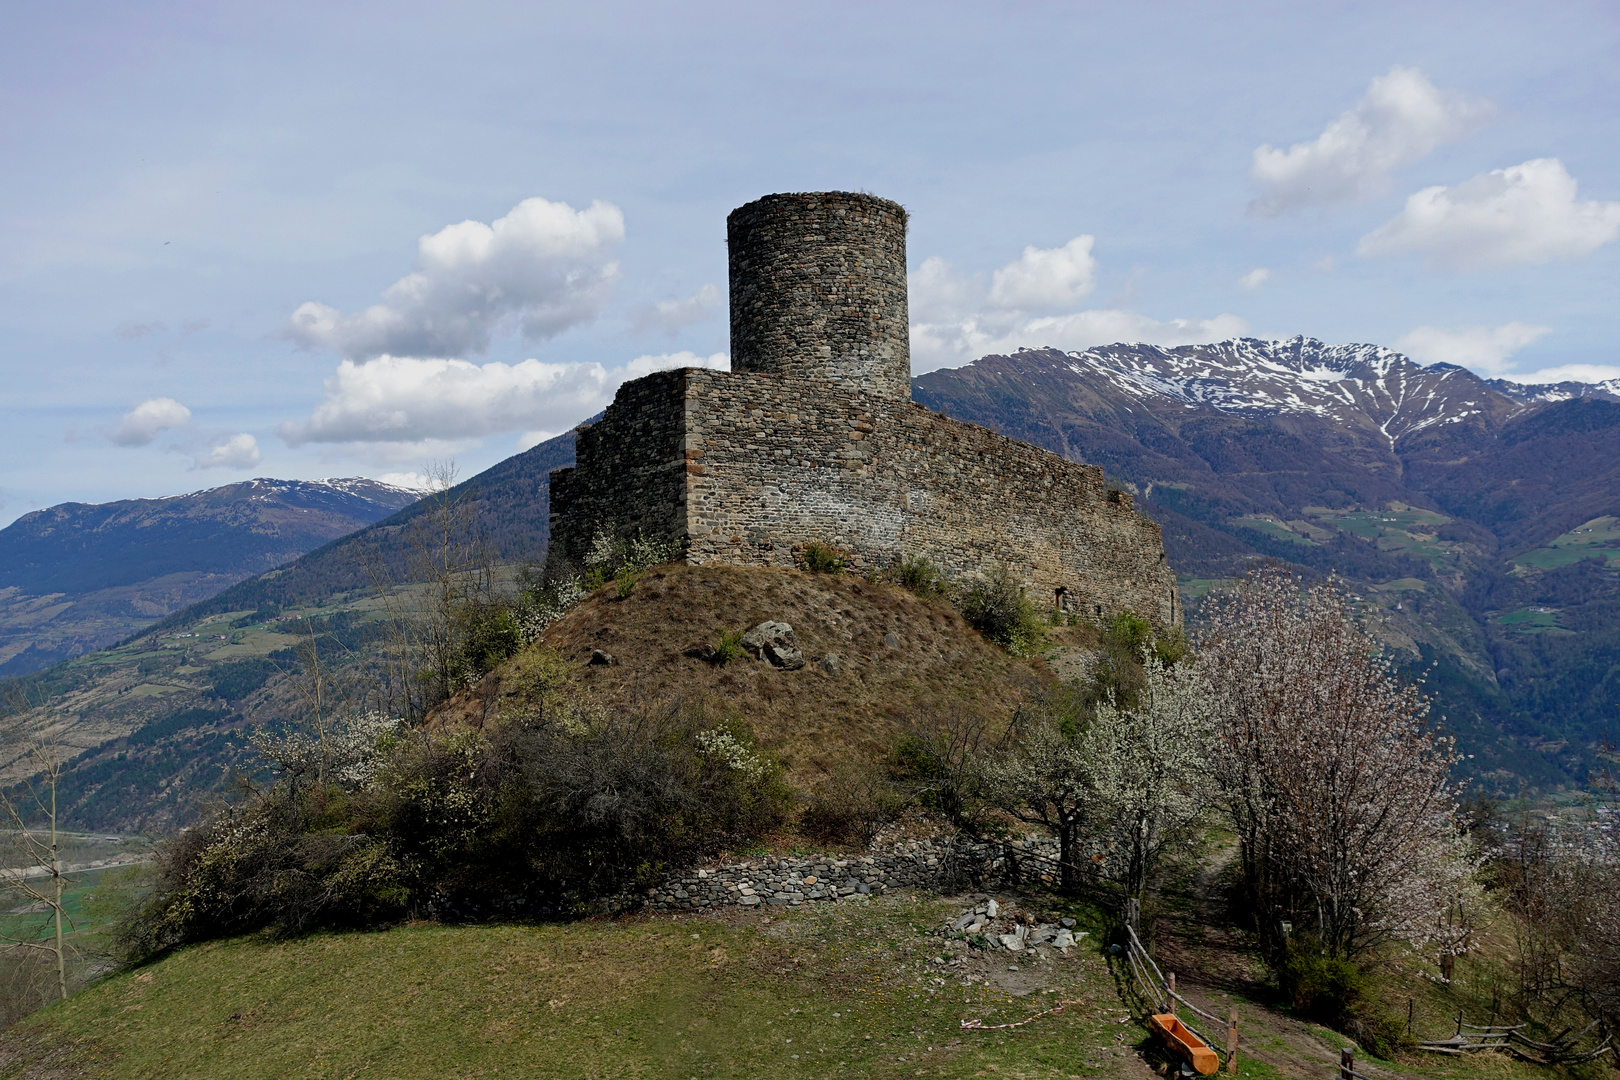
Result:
1184,1044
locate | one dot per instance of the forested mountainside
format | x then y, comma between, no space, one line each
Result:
1481,519
81,576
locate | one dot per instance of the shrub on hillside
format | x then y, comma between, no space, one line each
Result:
850,806
1340,994
999,609
819,558
542,815
918,574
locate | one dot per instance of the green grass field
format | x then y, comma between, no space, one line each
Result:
1598,538
846,991
850,991
1531,621
1397,528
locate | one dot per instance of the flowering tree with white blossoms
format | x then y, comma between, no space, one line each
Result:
1041,777
1148,770
1339,788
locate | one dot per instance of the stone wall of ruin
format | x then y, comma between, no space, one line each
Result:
760,465
629,474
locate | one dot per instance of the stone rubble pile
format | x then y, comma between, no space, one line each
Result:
995,925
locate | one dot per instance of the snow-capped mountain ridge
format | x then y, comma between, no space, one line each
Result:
262,487
1368,387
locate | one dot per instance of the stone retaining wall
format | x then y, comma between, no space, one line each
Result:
938,866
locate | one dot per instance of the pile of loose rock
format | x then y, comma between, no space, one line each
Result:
995,925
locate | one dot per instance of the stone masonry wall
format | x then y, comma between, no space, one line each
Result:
770,463
818,289
773,463
938,866
629,475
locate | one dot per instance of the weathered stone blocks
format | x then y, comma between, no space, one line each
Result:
818,288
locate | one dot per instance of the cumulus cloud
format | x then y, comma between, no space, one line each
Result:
411,403
646,365
228,452
1254,278
1587,373
404,399
957,319
1048,280
669,316
1485,349
410,481
544,266
1401,118
148,420
1507,217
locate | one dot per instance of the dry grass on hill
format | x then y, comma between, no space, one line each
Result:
937,666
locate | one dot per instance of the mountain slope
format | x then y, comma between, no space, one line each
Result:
158,722
79,576
1456,506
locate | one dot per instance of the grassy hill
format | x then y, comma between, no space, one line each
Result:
897,659
875,989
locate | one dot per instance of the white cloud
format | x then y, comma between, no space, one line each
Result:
1254,278
669,316
230,452
401,399
411,481
1046,280
1400,119
646,365
544,265
147,420
1525,214
956,319
1485,349
402,405
1587,373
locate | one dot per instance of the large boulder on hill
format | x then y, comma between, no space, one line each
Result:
774,643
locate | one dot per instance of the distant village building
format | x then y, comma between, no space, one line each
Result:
812,437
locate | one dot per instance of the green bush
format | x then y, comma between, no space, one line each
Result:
819,558
1000,610
529,817
918,574
730,647
1339,994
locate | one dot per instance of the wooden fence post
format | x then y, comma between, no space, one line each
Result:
1347,1065
1170,998
1231,1045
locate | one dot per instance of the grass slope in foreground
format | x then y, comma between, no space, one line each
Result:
847,991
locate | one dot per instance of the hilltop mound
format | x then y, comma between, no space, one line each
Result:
899,659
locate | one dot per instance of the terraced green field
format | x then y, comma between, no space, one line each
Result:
1598,538
1531,621
1396,528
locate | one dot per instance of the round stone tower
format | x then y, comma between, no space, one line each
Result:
818,289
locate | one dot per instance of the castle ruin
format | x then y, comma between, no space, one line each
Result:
813,437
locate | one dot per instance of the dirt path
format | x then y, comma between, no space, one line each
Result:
1217,971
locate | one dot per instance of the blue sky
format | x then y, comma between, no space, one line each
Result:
304,240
